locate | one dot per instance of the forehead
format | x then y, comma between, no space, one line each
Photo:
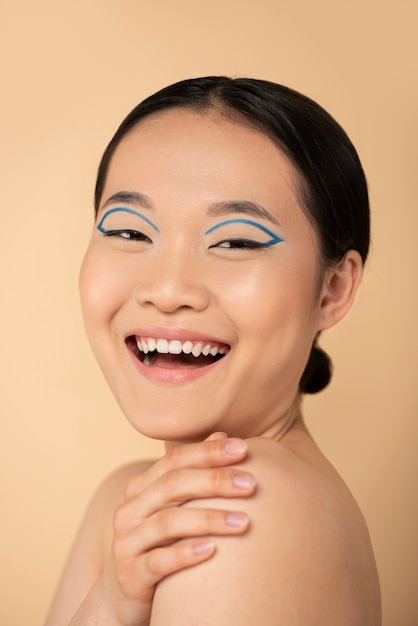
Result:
181,135
203,157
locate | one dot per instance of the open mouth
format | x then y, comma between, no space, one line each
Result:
176,354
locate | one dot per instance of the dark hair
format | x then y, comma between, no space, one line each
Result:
332,186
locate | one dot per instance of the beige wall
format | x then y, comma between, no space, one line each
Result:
70,71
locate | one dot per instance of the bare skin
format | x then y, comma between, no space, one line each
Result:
305,560
130,536
200,239
317,539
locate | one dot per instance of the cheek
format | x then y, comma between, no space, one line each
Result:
266,296
87,285
99,287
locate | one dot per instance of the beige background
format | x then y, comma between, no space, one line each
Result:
70,72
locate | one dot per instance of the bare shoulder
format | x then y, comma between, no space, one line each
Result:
306,559
98,520
92,544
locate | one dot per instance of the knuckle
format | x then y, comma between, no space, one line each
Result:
133,487
120,519
153,563
170,481
176,457
211,519
118,549
220,479
213,453
165,521
216,450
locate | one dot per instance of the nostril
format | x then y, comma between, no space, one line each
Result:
172,293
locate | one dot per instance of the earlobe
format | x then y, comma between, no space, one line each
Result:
339,289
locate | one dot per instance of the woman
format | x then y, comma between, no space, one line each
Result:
232,225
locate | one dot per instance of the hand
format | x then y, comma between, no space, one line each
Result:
155,536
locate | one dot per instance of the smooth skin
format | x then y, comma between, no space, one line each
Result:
253,527
125,559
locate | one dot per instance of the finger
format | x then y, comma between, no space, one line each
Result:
172,524
150,568
217,435
205,454
178,486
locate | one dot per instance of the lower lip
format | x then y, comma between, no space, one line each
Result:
175,375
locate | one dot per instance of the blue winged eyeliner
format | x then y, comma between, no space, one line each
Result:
103,230
274,238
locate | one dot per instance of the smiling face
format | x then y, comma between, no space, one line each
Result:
199,287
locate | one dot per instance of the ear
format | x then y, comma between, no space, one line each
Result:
339,289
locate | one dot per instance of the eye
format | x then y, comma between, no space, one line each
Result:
239,244
238,241
122,223
127,234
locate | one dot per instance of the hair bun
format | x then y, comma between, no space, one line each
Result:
317,373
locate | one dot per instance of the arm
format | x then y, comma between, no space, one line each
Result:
91,545
147,528
297,565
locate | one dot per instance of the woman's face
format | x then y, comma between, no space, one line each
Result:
199,284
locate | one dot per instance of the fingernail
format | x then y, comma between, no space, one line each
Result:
216,435
243,481
233,518
235,446
203,547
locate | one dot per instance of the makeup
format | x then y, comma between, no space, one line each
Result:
270,242
102,229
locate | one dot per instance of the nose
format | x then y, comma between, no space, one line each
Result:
173,283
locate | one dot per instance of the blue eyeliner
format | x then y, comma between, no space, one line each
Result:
103,230
271,242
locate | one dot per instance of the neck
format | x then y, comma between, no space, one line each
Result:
289,422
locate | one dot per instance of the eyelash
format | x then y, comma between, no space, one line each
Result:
242,243
128,235
239,244
232,244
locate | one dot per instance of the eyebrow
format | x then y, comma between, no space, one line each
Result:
219,209
129,197
244,207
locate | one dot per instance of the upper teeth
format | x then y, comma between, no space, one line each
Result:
174,346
